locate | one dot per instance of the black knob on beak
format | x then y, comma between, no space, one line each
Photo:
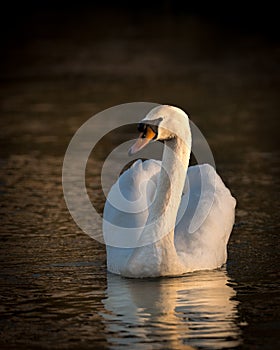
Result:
141,127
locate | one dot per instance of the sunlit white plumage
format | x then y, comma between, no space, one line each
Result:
184,221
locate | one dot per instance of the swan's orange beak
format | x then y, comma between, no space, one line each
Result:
144,138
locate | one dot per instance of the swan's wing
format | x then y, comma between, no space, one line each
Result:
205,218
129,197
126,210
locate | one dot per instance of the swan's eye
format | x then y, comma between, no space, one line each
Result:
144,132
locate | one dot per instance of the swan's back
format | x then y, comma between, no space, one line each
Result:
201,236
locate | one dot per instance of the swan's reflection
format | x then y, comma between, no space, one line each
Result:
195,310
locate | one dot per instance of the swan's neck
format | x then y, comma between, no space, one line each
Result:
172,177
157,255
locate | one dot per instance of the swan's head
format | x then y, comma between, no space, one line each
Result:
162,123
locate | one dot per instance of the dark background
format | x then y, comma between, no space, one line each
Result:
21,20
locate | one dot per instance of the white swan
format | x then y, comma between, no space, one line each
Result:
163,203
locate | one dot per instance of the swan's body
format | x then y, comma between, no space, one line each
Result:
185,225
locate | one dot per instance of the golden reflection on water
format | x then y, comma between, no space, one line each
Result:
195,310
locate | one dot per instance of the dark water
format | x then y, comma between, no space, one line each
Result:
57,72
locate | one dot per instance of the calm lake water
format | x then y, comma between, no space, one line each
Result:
55,290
